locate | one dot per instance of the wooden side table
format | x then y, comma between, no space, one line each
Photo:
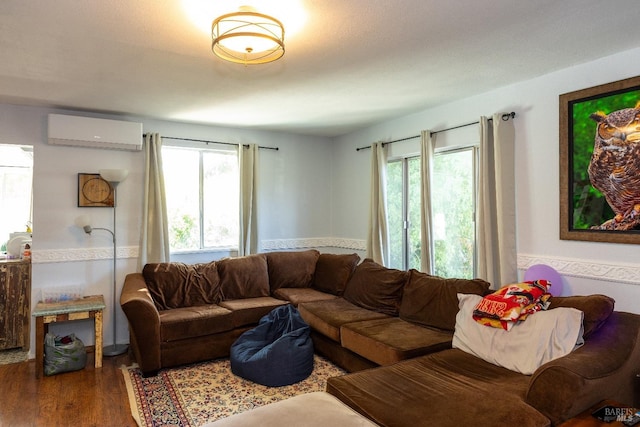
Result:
64,311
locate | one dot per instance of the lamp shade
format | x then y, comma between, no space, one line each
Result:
247,37
114,175
82,221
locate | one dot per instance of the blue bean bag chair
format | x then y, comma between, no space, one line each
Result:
277,352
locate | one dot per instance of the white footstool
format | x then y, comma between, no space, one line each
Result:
317,409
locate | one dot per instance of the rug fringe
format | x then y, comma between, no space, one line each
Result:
133,403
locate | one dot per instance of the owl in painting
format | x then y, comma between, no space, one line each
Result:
615,165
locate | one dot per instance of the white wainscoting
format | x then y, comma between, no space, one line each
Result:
82,254
609,271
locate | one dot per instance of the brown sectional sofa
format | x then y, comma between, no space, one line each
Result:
386,316
392,329
452,388
181,313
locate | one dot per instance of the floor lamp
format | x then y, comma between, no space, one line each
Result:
113,177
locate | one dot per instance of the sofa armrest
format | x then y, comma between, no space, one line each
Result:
144,322
604,368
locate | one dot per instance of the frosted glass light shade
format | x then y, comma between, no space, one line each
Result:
247,37
114,175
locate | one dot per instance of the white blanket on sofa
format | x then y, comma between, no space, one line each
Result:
542,337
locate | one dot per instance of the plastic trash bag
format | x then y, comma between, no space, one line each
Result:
63,354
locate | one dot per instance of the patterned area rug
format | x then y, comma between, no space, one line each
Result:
196,394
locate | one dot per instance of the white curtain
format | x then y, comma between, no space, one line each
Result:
426,238
247,159
154,239
378,234
496,213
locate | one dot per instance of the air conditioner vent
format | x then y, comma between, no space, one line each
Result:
94,133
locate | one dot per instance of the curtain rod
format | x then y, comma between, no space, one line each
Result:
505,117
215,142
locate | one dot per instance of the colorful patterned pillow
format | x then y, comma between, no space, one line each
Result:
512,303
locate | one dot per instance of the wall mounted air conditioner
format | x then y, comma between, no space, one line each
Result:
94,133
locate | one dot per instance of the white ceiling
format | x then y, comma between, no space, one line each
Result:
354,62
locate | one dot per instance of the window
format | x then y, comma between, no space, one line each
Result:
453,205
202,191
16,171
403,210
453,211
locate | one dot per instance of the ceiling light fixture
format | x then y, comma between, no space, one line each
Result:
247,37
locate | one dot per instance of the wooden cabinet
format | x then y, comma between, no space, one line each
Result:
15,303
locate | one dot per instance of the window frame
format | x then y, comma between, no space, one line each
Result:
404,159
406,223
186,145
475,152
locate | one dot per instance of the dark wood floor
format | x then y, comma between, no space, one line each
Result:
90,397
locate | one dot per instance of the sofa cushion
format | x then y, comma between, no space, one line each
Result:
244,277
326,317
189,322
445,389
388,341
376,287
542,337
333,272
433,301
298,295
316,409
291,269
175,285
249,311
596,309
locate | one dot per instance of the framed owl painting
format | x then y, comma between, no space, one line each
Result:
600,163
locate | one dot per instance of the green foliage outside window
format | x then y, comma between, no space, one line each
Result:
183,232
395,217
452,204
396,213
